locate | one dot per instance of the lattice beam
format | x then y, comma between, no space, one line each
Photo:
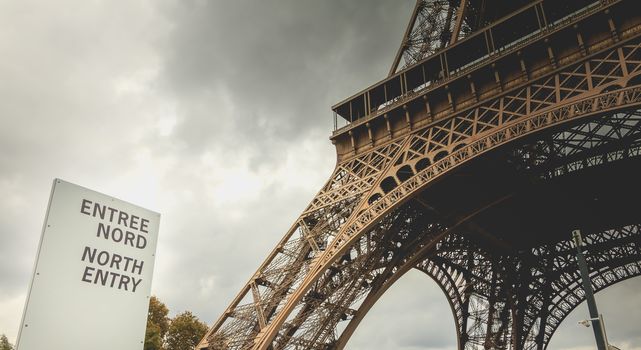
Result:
369,223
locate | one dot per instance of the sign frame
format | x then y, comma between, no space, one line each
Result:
91,281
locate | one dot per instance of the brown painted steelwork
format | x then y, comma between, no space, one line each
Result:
475,177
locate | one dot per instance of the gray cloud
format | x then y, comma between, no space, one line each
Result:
252,81
61,114
284,62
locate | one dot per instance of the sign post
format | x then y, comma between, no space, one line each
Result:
92,277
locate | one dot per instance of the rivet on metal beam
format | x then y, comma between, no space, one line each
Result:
473,88
497,77
613,29
389,128
551,54
579,39
351,136
407,117
450,100
524,72
428,110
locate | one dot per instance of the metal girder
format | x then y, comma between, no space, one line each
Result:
288,271
463,268
523,298
433,25
370,224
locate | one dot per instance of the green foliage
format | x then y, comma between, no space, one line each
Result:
153,339
185,331
157,314
4,343
157,324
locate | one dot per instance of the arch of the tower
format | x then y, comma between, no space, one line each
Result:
467,286
454,243
496,175
419,232
513,208
525,167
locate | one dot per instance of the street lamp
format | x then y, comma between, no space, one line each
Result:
587,322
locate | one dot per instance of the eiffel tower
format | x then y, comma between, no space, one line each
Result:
502,126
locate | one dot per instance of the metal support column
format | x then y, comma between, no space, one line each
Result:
589,293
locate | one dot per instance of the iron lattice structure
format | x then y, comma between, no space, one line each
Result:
509,125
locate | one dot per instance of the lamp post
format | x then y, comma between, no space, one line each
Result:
595,318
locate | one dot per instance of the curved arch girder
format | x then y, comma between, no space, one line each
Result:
580,109
623,134
623,129
338,218
614,256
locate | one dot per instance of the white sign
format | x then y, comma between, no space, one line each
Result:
92,278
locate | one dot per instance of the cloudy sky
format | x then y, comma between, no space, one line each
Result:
216,114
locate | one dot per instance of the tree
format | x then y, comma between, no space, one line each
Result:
158,315
157,324
4,343
185,331
153,340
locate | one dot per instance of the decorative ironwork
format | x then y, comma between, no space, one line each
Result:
391,203
434,24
